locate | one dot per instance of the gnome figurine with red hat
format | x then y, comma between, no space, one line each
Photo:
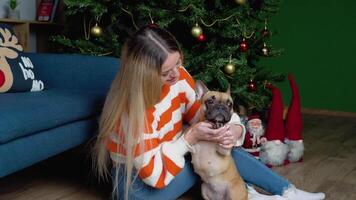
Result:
294,125
254,135
274,150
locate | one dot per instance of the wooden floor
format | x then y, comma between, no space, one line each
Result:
329,166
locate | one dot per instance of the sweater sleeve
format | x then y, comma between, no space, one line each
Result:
192,104
235,119
160,162
157,160
159,157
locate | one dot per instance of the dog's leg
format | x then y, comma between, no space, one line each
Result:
205,191
237,190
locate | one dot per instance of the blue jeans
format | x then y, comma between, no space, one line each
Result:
251,170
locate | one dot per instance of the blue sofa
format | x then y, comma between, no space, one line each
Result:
37,125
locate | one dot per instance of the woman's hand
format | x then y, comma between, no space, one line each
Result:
204,131
231,136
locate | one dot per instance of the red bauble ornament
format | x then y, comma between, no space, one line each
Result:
268,85
243,46
152,25
201,38
265,32
251,86
2,78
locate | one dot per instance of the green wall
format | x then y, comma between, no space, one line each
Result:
319,38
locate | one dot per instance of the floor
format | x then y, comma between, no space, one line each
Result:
329,166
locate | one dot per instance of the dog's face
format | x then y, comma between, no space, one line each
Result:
217,107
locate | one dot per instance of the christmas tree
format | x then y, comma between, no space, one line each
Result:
222,40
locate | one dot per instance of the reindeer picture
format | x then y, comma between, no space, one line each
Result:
8,45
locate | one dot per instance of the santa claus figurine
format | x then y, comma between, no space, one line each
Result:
254,135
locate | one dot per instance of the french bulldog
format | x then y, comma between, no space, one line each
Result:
213,163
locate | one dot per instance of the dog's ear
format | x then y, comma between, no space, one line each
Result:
200,89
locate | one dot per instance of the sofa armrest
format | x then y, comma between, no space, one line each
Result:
73,71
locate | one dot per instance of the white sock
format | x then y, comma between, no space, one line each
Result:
293,193
254,195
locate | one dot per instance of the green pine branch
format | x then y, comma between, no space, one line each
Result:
224,23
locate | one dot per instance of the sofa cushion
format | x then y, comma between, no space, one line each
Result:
25,113
25,151
17,72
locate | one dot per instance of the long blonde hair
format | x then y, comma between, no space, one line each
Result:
136,87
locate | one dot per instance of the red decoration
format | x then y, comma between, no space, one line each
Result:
265,32
46,10
243,46
254,136
275,129
152,25
251,86
268,85
2,78
294,122
201,38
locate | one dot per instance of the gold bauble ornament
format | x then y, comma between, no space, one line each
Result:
229,68
197,31
241,2
96,30
265,50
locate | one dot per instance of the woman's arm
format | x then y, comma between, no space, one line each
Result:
235,136
161,161
163,155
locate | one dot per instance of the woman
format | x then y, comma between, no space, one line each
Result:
141,128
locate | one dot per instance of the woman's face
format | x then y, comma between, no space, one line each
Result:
170,68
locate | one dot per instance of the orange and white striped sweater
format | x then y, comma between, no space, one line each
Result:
163,157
